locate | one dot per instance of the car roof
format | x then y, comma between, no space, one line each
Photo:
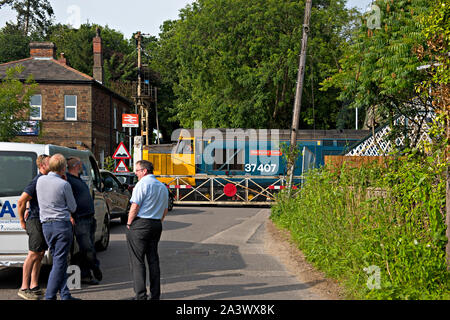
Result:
124,173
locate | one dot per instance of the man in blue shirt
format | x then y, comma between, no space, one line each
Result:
149,203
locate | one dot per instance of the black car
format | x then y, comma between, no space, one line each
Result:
127,178
117,196
130,179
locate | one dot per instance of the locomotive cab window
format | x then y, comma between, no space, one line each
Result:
231,160
185,147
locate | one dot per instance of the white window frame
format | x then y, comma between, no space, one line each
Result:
36,106
72,107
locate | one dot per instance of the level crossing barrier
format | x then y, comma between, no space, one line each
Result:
227,190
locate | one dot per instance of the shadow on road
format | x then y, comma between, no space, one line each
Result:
189,270
231,291
185,211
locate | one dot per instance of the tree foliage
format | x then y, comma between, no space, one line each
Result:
33,16
13,43
234,63
379,70
14,102
435,54
77,46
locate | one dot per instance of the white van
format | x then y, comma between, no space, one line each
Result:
17,169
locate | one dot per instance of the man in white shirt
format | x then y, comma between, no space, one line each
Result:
149,203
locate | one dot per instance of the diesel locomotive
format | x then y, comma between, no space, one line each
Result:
239,166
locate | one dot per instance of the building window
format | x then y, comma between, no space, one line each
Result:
70,107
115,116
36,107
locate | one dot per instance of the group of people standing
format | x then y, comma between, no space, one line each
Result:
57,204
60,205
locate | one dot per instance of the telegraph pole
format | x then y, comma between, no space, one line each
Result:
298,94
143,112
157,116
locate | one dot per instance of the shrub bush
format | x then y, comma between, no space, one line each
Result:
378,247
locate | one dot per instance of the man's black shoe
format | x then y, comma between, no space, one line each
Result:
90,281
97,274
73,299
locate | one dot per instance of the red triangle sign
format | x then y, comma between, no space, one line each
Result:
121,167
121,152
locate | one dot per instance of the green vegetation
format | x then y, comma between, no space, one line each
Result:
380,229
118,53
233,63
109,164
390,216
33,16
14,103
378,72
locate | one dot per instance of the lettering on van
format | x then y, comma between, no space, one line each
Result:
7,208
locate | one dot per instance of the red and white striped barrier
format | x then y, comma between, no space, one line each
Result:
179,186
281,187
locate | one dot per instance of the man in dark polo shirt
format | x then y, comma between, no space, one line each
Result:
85,223
29,220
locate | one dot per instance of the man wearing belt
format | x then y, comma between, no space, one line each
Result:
85,223
56,203
149,203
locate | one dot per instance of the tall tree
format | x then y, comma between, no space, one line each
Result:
14,103
118,53
13,43
379,70
32,15
233,63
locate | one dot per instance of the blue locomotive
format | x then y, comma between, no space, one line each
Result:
240,166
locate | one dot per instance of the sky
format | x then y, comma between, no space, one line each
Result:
126,16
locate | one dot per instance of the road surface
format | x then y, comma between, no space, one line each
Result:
208,253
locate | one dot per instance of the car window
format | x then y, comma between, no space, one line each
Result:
18,168
122,179
128,179
110,181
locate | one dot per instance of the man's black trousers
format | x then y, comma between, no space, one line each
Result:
142,239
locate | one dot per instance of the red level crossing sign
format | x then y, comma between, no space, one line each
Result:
121,167
121,152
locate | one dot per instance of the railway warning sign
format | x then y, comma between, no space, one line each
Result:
121,152
121,167
130,120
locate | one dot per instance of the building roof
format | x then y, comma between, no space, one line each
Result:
45,69
49,70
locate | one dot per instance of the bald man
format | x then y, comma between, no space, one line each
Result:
56,204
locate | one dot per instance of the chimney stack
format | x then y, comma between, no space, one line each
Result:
98,57
42,50
62,58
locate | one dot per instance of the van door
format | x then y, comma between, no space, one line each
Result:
17,169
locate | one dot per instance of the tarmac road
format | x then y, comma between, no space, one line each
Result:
206,253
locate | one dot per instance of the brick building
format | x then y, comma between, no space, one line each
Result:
71,108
